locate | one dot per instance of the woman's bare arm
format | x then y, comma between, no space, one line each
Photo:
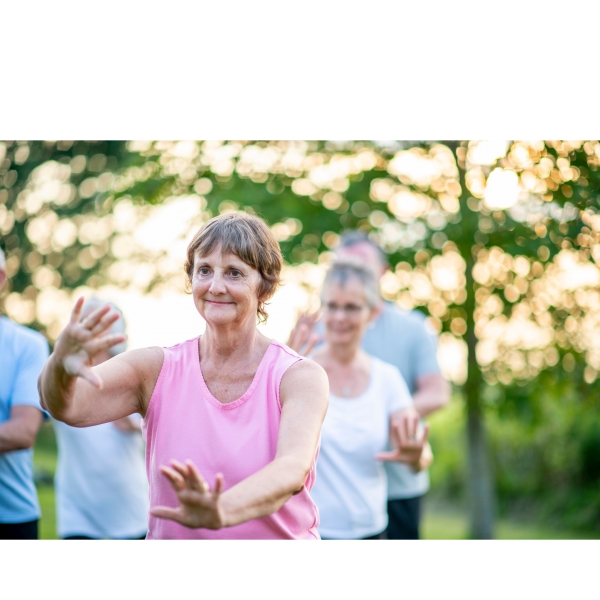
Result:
304,395
73,391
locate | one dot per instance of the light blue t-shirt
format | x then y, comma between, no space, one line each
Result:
402,339
23,353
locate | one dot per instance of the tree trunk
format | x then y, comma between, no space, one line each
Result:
480,490
479,482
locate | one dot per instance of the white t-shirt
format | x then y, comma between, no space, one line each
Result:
351,485
101,484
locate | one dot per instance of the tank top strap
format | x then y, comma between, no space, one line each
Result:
277,361
176,360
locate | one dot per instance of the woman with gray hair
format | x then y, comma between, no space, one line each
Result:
370,410
231,418
100,481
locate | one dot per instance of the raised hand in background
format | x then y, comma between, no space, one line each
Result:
303,338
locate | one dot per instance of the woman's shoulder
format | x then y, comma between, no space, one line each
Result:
284,350
143,360
290,358
181,346
305,380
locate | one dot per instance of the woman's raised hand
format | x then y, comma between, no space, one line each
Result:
198,505
82,339
409,441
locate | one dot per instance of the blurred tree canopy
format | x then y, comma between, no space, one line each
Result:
497,242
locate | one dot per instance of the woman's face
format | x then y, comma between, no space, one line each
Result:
225,288
346,312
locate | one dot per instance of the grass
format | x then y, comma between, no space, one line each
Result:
451,524
48,521
440,522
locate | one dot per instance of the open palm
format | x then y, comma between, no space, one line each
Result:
83,339
198,505
408,440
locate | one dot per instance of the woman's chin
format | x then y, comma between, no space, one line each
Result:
341,339
220,314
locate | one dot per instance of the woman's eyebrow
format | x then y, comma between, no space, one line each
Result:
201,262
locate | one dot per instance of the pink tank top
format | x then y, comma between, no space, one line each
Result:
185,421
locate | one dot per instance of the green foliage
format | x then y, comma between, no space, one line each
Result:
545,442
539,412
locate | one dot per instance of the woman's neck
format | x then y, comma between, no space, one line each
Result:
344,354
221,344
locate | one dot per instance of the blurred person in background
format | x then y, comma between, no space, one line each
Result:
23,353
370,410
100,481
230,407
403,339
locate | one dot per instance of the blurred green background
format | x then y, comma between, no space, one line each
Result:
496,242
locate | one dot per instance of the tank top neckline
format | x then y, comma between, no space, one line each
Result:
246,395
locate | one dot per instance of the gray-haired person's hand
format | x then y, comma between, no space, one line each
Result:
303,338
82,339
409,442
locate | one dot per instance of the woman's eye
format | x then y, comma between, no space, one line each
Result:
203,271
235,273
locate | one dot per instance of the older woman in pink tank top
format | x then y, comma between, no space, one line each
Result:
232,419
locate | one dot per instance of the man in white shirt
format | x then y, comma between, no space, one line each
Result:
101,485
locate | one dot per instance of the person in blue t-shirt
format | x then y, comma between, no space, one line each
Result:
402,338
23,353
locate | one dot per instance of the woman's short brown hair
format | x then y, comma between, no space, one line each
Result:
248,237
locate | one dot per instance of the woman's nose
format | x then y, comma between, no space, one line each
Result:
217,285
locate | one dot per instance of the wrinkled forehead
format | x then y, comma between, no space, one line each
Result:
221,254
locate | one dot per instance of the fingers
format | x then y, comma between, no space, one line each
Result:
312,318
219,482
165,512
175,479
104,323
91,377
401,432
312,341
95,323
187,476
411,423
76,312
425,434
191,476
298,336
387,456
94,317
104,343
195,478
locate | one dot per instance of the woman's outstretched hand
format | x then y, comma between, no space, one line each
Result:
81,340
409,441
198,505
